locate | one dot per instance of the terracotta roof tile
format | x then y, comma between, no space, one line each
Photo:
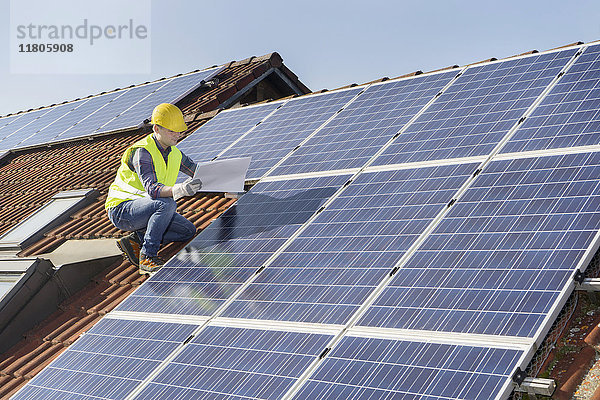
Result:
9,385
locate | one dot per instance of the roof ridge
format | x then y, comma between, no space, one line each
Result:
269,56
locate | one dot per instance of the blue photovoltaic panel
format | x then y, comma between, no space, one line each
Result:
232,248
337,261
286,128
108,362
235,363
61,125
498,261
168,93
117,110
569,115
34,133
477,110
358,132
12,130
4,129
367,369
92,122
222,130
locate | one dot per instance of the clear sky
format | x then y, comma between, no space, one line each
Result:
327,43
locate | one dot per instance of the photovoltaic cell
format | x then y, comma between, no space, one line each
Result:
235,363
477,110
168,93
498,261
286,128
569,115
366,368
92,122
226,127
336,262
360,130
107,362
232,248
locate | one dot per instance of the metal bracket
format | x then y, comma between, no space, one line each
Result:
579,277
589,285
537,386
519,376
324,353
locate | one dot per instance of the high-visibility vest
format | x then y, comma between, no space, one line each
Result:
127,184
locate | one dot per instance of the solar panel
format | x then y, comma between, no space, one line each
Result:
499,260
12,130
70,119
117,110
337,261
235,363
230,250
477,110
4,130
221,131
371,368
107,362
569,115
32,134
170,92
365,126
286,128
91,122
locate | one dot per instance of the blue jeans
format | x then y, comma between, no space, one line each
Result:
155,221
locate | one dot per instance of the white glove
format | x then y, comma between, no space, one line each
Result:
186,188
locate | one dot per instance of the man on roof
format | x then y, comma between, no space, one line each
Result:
142,197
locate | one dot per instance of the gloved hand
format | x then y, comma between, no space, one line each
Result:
186,188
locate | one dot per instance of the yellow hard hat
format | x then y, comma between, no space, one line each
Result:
168,116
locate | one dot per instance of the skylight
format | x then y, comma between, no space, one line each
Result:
59,207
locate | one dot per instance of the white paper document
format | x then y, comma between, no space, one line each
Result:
223,175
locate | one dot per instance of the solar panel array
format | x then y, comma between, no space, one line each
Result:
117,110
367,124
497,262
287,128
474,114
218,262
375,368
402,242
569,115
215,136
109,362
227,362
337,261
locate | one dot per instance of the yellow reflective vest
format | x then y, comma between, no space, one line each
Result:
127,184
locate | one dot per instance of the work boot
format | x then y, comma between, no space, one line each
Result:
130,246
149,265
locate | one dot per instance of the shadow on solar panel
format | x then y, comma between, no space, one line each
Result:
258,214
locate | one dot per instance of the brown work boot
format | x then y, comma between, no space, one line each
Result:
130,246
149,265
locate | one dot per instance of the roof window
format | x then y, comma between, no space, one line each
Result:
51,214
